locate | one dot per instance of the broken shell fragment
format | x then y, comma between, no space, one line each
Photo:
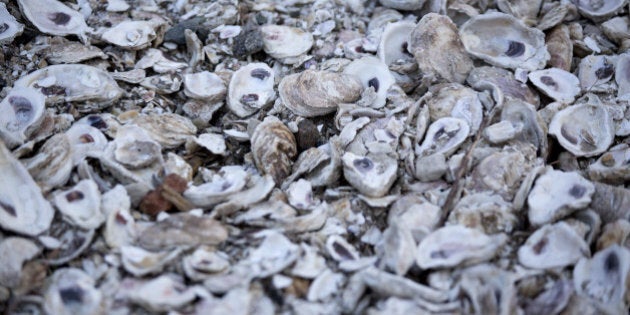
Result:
9,26
81,205
280,41
584,129
55,18
182,229
444,136
52,166
21,113
560,51
315,93
403,4
273,147
553,246
438,50
599,10
557,194
558,84
229,180
203,262
371,175
394,43
132,35
140,262
72,291
622,76
372,73
455,245
73,83
504,41
162,294
204,85
612,166
502,84
251,89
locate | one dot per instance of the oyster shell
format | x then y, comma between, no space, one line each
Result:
557,194
372,73
456,100
182,229
134,148
313,93
611,166
229,180
525,10
559,47
55,18
251,89
371,175
52,166
553,246
205,86
394,43
280,41
140,262
72,291
73,83
584,129
273,147
558,84
21,113
162,294
438,50
403,4
203,262
10,28
502,84
85,141
596,73
622,76
81,205
14,251
603,279
132,35
599,10
444,136
416,214
454,245
504,41
169,130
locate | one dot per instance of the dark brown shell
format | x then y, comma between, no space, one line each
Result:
273,147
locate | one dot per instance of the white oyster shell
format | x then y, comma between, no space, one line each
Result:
140,262
558,84
394,42
120,228
372,73
81,205
454,245
162,294
553,246
622,76
456,100
52,166
251,89
557,194
484,211
204,85
73,83
134,148
14,251
72,291
403,4
603,279
371,175
21,113
504,41
274,254
596,73
611,166
203,262
85,141
131,34
415,213
155,59
444,136
227,181
55,18
280,41
9,26
309,264
584,129
168,129
599,10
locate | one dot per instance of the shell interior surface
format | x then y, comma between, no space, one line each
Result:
314,157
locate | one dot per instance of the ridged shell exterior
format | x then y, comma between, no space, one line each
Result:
273,147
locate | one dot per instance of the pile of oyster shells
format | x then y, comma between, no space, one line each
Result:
315,157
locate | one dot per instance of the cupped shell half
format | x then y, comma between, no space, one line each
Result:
313,93
251,89
598,10
71,83
85,141
553,246
584,129
54,18
394,42
280,41
560,85
437,47
81,205
504,41
9,26
403,4
444,136
133,35
557,194
72,291
596,73
371,175
21,113
372,73
204,85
